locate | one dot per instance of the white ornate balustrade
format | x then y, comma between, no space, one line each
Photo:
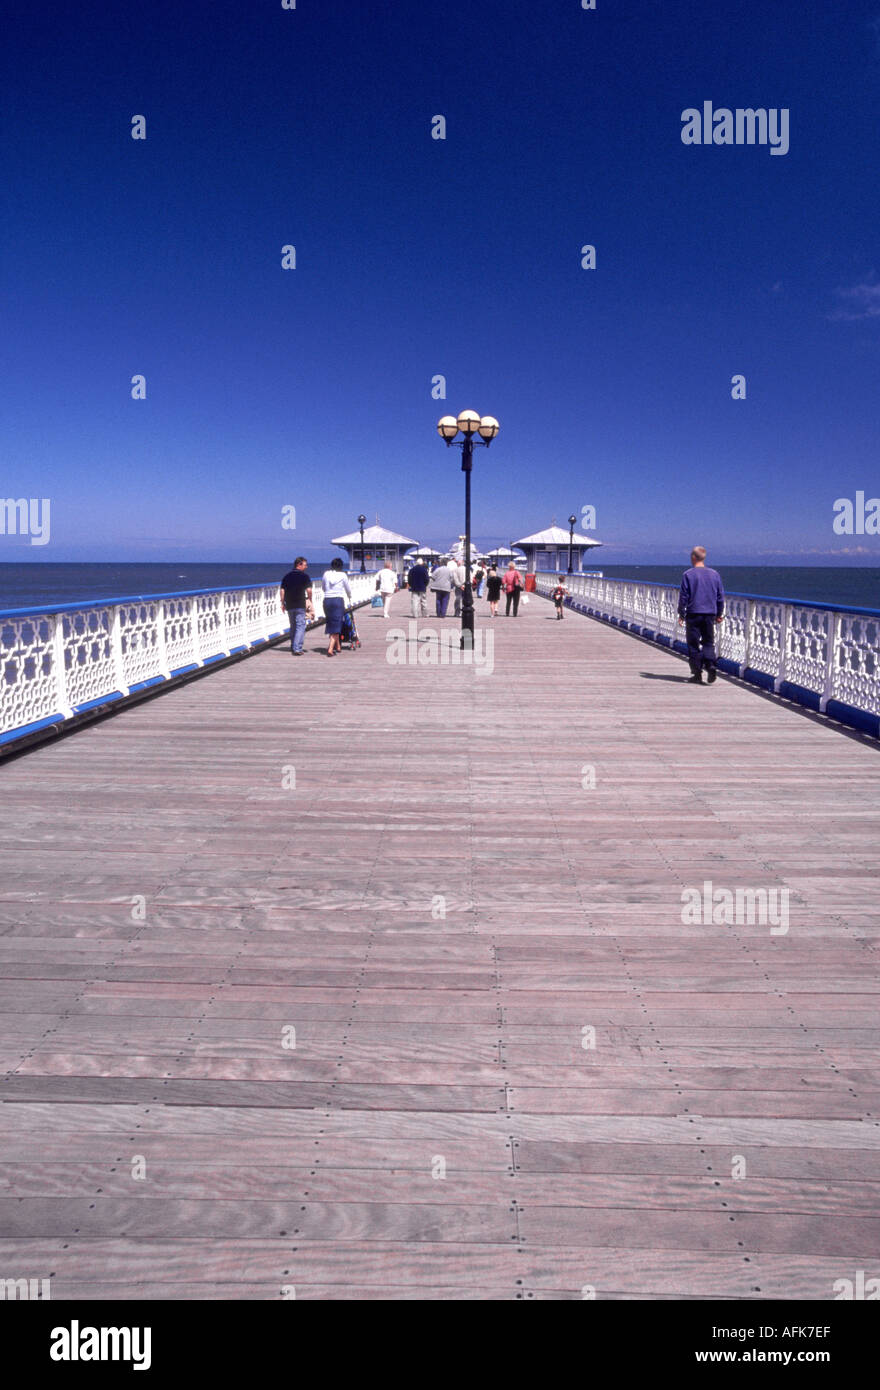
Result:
821,655
57,662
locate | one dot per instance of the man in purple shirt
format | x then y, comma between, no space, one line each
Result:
701,608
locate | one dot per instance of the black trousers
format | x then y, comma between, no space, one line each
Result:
512,598
699,631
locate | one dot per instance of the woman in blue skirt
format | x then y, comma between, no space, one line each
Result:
335,585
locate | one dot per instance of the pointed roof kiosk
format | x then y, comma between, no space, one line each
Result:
380,545
501,555
421,552
548,550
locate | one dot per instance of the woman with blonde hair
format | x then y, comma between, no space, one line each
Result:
512,582
386,584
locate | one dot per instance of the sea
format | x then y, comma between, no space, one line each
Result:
851,587
35,583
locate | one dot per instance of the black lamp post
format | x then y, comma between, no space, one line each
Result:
361,520
470,424
571,525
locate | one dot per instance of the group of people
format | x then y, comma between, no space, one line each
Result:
447,581
700,602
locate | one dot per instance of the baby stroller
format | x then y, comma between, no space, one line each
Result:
349,634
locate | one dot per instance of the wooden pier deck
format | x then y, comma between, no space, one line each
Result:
171,906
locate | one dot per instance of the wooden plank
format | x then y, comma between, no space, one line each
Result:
288,1095
478,1154
460,1187
279,1290
554,1156
849,1237
125,1263
150,1217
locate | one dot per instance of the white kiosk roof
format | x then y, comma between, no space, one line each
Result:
374,535
555,535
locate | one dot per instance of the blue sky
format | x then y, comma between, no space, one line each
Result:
312,387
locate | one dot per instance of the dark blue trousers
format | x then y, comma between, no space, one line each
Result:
699,631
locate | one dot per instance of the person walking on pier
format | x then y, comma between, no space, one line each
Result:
387,586
334,582
493,589
296,597
477,581
512,582
417,581
456,569
701,609
442,584
559,596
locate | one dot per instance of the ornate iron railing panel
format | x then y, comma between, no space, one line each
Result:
856,676
29,655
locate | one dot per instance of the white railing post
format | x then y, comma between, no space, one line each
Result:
751,610
835,624
161,644
116,649
221,613
781,665
60,673
238,605
194,635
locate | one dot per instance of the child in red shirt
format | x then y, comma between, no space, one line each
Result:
559,596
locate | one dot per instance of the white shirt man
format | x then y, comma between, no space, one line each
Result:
387,585
458,575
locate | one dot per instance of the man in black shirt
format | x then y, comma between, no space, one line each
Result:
296,597
417,581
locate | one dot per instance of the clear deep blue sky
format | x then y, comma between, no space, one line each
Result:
312,387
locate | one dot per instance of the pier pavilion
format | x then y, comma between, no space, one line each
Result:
501,555
548,550
379,976
426,553
380,545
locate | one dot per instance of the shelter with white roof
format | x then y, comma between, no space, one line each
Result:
426,553
548,550
501,555
380,545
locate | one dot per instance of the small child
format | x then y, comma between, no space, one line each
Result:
559,596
